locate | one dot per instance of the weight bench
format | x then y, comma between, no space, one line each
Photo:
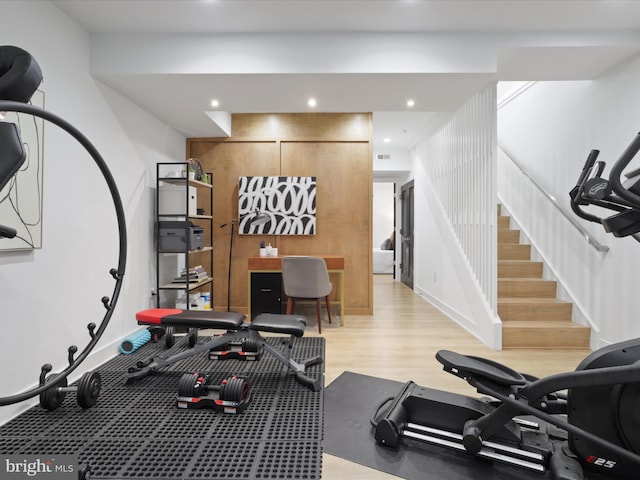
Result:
236,329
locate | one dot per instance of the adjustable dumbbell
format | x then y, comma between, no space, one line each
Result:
87,390
247,349
234,389
233,395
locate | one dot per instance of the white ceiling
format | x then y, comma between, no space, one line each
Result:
491,40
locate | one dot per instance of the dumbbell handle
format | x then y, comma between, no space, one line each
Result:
73,388
211,388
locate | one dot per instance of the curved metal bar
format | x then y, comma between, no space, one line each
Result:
587,236
117,274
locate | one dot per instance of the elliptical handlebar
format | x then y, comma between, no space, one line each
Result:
592,189
591,160
616,173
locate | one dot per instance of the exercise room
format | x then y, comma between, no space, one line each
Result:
311,239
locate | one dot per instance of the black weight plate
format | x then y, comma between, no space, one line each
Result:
234,389
187,385
88,389
52,398
193,337
250,345
169,338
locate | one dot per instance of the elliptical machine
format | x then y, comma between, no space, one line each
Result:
595,426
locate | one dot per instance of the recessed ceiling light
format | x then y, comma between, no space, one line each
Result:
386,140
312,102
410,102
215,103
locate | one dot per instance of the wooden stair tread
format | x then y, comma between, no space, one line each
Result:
519,269
524,279
541,324
531,300
509,261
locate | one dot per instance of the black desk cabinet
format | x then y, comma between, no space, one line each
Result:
266,293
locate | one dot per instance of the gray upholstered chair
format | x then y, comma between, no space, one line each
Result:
306,278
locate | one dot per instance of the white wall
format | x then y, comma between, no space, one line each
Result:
50,295
455,205
551,128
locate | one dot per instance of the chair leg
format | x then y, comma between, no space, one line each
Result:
326,299
289,306
319,317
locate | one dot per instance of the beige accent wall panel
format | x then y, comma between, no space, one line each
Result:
343,204
333,147
303,126
228,161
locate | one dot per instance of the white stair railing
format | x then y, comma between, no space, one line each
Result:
462,168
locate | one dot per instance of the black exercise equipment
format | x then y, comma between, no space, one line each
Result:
195,391
612,193
244,349
87,390
600,432
20,77
528,422
236,330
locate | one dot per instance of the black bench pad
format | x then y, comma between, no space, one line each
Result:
191,318
271,322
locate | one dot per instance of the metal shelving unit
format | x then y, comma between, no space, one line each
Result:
175,201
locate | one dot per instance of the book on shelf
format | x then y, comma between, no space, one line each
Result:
195,278
193,270
192,275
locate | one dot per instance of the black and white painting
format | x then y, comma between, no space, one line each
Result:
290,202
21,197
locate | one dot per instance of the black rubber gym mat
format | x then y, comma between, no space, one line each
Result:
348,434
136,431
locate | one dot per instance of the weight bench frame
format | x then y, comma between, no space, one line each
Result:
236,329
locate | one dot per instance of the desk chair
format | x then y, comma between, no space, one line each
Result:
306,278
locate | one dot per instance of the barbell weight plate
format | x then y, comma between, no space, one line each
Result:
169,338
52,397
193,337
88,389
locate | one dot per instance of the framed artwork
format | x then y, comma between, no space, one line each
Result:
290,203
21,197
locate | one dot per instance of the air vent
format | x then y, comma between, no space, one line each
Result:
385,156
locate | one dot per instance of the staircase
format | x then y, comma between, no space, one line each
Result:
531,315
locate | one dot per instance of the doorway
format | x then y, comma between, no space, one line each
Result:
406,234
384,226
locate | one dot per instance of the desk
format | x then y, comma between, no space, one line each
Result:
272,264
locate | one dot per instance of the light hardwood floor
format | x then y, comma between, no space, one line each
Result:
399,342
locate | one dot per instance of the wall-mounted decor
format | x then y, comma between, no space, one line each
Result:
21,198
289,201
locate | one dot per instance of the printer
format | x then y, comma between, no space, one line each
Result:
177,236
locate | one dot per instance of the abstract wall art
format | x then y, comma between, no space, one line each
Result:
21,198
290,203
